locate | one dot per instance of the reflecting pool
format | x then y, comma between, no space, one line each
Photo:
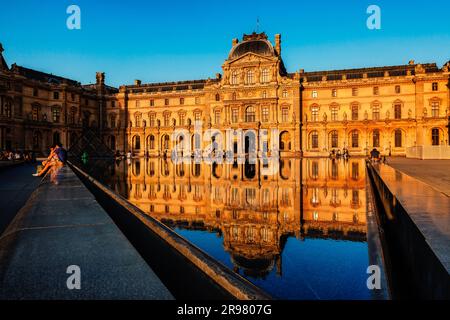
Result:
296,229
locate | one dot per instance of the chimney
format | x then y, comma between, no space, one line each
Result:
100,76
278,43
137,82
234,42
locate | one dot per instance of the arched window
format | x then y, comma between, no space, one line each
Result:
217,97
234,77
376,138
265,76
137,142
398,138
166,142
334,139
250,77
435,136
355,139
314,140
250,114
151,143
315,113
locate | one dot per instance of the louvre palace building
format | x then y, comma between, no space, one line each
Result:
254,105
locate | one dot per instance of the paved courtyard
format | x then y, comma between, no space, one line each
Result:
436,173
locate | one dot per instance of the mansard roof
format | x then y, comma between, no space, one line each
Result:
170,86
42,76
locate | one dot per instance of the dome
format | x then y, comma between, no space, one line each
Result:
257,46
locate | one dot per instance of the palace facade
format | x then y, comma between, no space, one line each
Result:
253,106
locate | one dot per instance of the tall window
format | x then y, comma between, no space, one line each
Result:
398,138
235,115
314,94
56,95
152,120
8,110
217,97
113,120
334,93
285,115
35,113
284,94
265,114
250,78
217,117
264,94
355,139
354,92
166,102
315,113
137,119
152,142
166,120
56,114
435,136
397,89
152,103
265,76
435,109
334,139
376,112
72,115
234,78
355,110
398,111
376,138
137,103
181,118
434,86
35,92
334,113
314,140
181,100
250,114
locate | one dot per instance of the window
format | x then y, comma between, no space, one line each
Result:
35,113
56,113
334,93
181,100
397,89
197,100
314,94
234,78
334,113
354,92
72,115
152,120
197,116
315,113
435,109
35,92
285,115
137,119
113,104
217,97
235,115
250,114
166,102
434,86
435,136
217,117
334,139
398,111
284,94
264,94
250,77
181,118
376,91
265,114
152,142
355,139
8,110
56,95
166,120
376,112
314,140
398,138
152,103
376,138
355,110
265,76
137,103
113,120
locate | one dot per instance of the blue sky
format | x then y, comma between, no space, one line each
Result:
159,41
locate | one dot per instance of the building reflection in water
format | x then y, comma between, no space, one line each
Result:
255,208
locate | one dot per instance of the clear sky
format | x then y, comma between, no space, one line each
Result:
159,41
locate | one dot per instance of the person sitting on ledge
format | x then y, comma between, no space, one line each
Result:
375,155
57,158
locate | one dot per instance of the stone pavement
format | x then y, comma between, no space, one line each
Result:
435,173
16,186
62,225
